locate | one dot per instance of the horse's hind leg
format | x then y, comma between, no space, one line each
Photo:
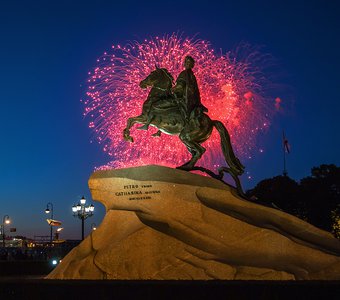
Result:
194,148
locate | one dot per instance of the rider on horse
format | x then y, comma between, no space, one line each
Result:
187,96
182,114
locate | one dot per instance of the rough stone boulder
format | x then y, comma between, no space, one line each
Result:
163,223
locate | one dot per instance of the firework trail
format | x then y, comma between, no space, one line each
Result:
231,87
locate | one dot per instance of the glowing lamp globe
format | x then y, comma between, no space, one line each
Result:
82,200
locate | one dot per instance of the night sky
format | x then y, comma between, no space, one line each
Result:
48,47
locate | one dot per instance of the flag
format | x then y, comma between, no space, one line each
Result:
286,146
53,222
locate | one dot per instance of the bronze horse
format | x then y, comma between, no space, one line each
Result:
169,119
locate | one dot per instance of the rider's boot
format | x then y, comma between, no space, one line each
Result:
158,133
144,127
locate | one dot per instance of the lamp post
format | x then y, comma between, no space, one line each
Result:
49,209
93,226
82,212
58,232
5,221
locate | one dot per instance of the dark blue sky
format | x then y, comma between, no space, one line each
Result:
47,48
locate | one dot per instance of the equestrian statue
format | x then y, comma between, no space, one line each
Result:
178,111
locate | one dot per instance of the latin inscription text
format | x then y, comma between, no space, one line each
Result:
138,192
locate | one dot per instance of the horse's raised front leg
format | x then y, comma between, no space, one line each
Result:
130,122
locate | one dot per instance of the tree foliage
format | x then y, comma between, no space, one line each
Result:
315,199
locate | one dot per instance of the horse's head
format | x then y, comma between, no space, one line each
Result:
159,78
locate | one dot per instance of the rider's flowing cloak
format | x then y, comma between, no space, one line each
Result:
190,92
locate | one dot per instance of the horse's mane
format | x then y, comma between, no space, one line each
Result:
168,73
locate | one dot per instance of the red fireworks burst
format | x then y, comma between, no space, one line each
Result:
231,88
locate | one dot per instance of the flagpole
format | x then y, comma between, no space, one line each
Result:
285,173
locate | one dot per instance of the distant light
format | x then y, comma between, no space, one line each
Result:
93,226
54,262
47,210
7,221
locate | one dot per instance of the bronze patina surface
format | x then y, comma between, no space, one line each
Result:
178,111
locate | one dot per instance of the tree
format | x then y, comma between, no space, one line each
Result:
316,199
335,215
321,192
281,192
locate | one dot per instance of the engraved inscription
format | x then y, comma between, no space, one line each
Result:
138,192
139,198
131,186
128,193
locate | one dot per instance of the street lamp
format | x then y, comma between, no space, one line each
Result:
49,209
82,212
5,221
93,226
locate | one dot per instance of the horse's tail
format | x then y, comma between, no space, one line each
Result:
227,149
